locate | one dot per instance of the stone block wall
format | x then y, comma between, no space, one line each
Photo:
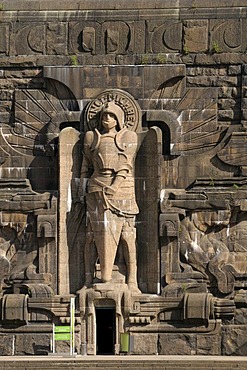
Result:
185,63
206,37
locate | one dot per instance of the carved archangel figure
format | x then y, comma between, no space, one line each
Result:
107,186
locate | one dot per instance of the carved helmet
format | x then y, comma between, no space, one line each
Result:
112,107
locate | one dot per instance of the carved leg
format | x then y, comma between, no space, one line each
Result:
107,240
90,257
128,237
106,248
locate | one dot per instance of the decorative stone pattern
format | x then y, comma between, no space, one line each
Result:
178,72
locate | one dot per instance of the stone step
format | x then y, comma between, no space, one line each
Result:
123,362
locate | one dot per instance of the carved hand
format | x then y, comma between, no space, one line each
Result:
82,189
110,191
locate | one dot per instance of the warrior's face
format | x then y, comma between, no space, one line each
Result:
112,116
109,120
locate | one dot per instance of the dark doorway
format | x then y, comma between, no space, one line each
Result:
105,330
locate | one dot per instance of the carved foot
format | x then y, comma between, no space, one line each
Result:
105,281
134,288
85,286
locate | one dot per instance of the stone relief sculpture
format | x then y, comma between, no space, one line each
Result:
107,188
21,243
207,246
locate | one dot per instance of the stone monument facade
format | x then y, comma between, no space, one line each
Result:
123,176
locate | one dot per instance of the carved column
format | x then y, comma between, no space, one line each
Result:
67,141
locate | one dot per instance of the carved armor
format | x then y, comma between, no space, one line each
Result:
108,162
108,156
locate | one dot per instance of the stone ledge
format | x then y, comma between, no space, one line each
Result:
38,5
201,59
122,362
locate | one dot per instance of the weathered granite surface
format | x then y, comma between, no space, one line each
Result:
178,71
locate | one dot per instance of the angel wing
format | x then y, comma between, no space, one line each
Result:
38,116
28,143
190,114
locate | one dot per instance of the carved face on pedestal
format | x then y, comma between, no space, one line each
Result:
112,117
109,121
